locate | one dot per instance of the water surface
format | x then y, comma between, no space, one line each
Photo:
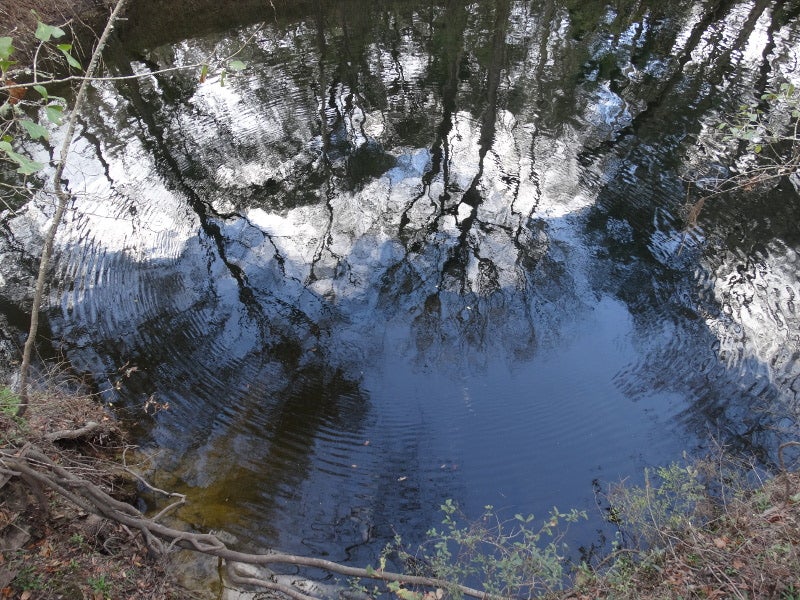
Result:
418,251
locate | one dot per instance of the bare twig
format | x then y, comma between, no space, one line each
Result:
73,434
784,472
89,77
36,467
63,198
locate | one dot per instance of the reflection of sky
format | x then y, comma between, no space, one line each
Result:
489,361
510,385
409,166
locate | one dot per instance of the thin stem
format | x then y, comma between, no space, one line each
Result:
63,198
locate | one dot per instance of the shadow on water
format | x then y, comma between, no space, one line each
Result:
417,252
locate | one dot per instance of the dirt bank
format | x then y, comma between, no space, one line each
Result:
18,20
52,548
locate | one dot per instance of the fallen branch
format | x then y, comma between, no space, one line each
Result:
72,434
37,469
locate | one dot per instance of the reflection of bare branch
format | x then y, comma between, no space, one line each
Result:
63,198
747,182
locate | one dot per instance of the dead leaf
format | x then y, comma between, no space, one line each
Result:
711,592
774,518
721,542
15,92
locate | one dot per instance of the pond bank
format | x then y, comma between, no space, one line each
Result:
53,548
18,19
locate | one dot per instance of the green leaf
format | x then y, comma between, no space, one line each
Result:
35,131
73,62
237,65
758,148
65,50
26,165
6,47
54,113
42,91
405,594
5,64
45,32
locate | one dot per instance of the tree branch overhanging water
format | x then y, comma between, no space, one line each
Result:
62,197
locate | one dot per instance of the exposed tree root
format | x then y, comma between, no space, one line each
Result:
73,434
34,467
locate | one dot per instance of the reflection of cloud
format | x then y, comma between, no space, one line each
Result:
759,319
608,113
282,243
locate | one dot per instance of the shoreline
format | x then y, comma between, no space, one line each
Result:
18,19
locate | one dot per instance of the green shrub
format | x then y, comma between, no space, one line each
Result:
515,557
666,505
8,401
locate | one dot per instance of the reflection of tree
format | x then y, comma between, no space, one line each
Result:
455,266
449,227
696,341
232,404
416,169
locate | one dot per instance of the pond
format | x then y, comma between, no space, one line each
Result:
415,251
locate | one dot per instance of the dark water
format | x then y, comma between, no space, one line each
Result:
419,251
